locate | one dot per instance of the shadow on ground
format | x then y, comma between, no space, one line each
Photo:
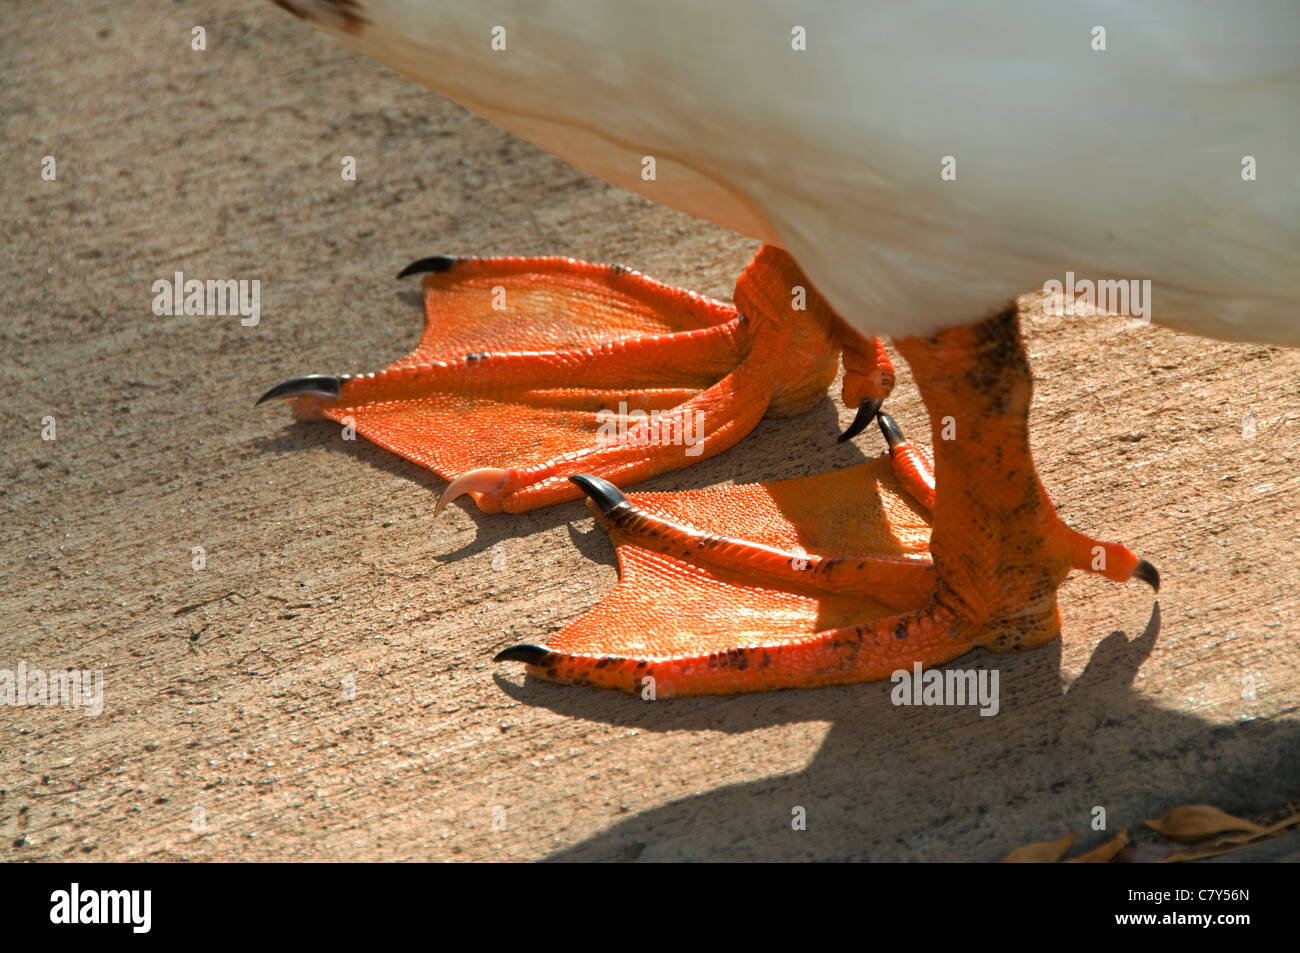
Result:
860,790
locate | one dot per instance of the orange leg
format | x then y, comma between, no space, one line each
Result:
914,466
999,553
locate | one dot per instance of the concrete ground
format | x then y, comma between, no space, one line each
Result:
228,731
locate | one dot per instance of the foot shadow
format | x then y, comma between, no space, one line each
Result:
915,783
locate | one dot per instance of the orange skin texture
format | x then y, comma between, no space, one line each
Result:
847,576
844,577
523,360
868,372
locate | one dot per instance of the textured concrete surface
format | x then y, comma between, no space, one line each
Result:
227,732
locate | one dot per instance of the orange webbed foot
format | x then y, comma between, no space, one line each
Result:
739,589
533,369
916,557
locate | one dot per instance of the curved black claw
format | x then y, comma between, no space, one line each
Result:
434,263
866,410
1148,574
605,494
531,654
893,435
317,385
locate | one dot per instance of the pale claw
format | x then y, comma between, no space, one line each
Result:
482,480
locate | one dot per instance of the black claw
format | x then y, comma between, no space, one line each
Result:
866,410
532,654
605,494
1148,574
893,436
317,385
433,263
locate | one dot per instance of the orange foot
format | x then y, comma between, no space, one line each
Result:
533,369
846,576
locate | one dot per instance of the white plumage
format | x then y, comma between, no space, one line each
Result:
1125,163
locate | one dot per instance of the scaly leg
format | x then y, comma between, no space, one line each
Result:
698,612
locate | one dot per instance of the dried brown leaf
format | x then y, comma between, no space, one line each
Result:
1231,842
1103,853
1283,824
1042,852
1199,821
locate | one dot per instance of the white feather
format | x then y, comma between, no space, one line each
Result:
1116,164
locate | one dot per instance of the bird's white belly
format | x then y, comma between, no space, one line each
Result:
1123,164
